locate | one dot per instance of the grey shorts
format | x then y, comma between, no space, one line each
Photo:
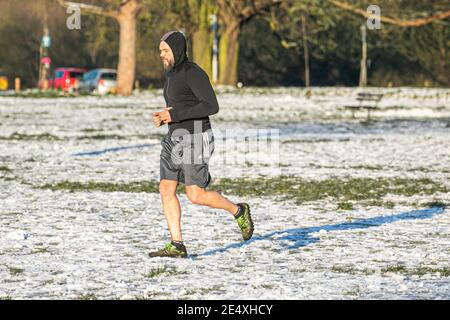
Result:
185,158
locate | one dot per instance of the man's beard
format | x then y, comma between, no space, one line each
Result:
168,66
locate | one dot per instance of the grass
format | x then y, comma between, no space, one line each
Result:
206,290
8,178
102,137
298,270
419,271
397,269
345,206
267,286
367,190
90,130
87,296
353,189
15,271
155,272
40,250
350,270
380,203
16,136
139,186
152,295
380,168
5,169
354,293
56,272
368,167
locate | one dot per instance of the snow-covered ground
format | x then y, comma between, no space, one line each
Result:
61,244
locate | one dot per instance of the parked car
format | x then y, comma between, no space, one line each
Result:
67,79
3,81
99,81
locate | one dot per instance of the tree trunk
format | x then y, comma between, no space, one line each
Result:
202,38
305,51
443,72
127,55
232,15
228,54
126,68
201,50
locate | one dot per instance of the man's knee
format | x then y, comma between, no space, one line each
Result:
196,196
167,188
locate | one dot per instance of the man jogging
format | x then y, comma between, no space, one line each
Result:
189,143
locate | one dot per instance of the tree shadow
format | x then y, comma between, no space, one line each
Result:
300,237
116,149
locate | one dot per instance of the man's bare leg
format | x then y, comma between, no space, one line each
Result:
171,207
240,211
211,199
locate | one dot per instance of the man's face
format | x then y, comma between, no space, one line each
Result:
166,55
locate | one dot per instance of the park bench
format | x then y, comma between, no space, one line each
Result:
367,101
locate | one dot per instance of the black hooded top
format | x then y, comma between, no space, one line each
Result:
187,90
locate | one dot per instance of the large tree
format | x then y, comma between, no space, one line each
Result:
201,33
232,15
125,13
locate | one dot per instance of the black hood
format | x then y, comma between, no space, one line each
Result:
176,42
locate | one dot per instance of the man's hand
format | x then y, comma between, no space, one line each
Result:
165,115
157,119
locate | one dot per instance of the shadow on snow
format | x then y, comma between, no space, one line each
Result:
300,237
100,152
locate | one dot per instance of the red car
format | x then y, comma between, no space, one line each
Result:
67,79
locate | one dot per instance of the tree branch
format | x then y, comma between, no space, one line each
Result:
90,9
249,11
398,22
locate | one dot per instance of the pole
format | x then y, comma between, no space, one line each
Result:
363,73
215,49
17,84
44,60
305,51
46,67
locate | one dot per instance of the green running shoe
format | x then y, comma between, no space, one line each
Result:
245,222
169,250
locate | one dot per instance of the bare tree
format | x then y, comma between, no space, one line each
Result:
232,15
126,15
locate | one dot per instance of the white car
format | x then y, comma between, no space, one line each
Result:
99,81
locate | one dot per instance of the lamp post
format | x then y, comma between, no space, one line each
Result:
44,59
215,49
363,73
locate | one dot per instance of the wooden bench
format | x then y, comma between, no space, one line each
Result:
367,101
